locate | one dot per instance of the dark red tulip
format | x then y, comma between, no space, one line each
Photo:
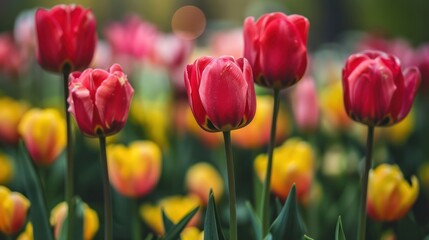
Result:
275,46
221,92
66,34
376,91
100,100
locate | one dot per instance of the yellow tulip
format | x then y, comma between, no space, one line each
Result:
202,177
192,233
28,233
257,133
399,133
13,211
90,220
332,107
292,163
390,196
175,207
11,112
135,170
44,134
6,169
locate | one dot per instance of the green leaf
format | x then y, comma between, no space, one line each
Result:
33,190
168,224
212,226
288,224
149,237
339,232
78,224
256,222
307,238
175,231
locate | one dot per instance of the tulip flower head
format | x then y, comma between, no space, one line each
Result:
90,220
100,100
44,134
275,46
376,91
202,177
292,163
11,112
390,196
66,34
134,171
221,92
13,209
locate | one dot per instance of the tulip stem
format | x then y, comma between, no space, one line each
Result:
106,190
265,205
231,186
69,176
364,190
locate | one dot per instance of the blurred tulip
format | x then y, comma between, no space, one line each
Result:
390,196
135,170
12,60
257,133
131,37
175,207
376,91
235,41
100,100
201,178
6,169
11,112
221,92
305,105
293,162
424,175
13,209
66,34
332,107
90,220
275,46
102,56
399,133
44,134
25,31
27,234
192,233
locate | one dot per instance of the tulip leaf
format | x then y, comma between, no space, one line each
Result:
307,238
38,212
289,224
339,231
256,222
78,224
174,232
168,224
212,225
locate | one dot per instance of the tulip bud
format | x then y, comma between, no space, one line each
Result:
275,46
175,207
376,91
305,106
100,100
13,209
44,134
11,112
202,177
390,196
66,34
221,92
134,171
292,163
90,220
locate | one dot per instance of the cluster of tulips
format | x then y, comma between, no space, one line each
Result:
377,91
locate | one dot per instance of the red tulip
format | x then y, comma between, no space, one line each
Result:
376,91
66,34
100,100
275,46
221,92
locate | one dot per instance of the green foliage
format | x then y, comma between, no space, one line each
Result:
212,225
339,232
174,231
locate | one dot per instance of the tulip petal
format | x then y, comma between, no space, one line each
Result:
223,93
83,109
411,81
302,25
250,108
85,39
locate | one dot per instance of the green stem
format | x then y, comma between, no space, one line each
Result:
137,233
367,167
265,205
106,189
69,175
231,186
